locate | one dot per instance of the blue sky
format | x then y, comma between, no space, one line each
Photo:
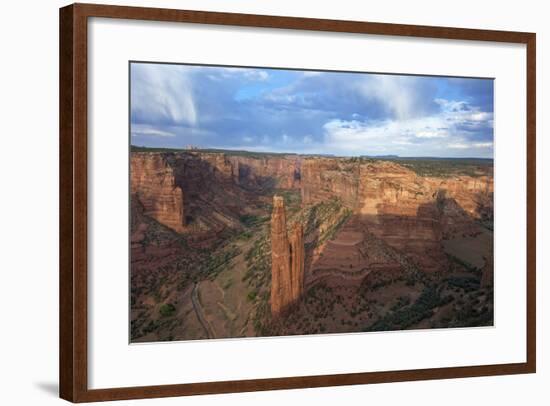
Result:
310,112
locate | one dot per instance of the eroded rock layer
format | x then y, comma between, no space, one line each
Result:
409,212
153,184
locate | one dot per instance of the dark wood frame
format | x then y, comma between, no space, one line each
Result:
73,331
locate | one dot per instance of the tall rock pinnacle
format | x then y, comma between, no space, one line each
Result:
287,259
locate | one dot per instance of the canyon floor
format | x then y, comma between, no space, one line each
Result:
390,244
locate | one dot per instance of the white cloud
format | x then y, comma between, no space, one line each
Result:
162,93
482,144
458,145
247,73
384,131
469,145
146,130
397,93
255,74
191,134
460,112
431,133
436,133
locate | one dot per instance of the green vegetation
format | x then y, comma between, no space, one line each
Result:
469,267
245,235
406,317
249,154
136,148
333,229
472,315
327,212
402,301
250,220
258,261
466,283
447,167
292,197
258,276
215,263
167,309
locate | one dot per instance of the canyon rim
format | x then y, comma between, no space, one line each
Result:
279,202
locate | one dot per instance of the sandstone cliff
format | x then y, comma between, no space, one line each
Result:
409,212
281,172
297,260
153,184
204,193
384,187
287,260
256,172
323,178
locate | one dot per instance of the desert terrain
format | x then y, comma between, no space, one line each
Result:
240,244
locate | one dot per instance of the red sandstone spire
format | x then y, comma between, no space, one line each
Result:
287,260
297,255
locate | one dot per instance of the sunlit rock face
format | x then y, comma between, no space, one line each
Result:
411,213
323,178
287,260
153,184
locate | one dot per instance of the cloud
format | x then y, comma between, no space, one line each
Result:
310,112
451,127
250,74
162,94
460,145
396,93
145,130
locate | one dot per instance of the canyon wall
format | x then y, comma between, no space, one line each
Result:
287,260
256,172
409,212
323,178
153,184
297,261
385,187
204,193
284,171
216,186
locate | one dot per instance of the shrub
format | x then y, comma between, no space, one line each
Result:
167,309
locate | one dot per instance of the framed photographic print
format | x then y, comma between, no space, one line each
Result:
256,202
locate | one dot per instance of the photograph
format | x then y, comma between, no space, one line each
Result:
280,202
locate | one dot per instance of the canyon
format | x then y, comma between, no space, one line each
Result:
254,244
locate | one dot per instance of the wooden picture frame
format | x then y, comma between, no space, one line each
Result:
73,200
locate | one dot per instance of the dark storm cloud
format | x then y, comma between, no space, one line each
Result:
310,112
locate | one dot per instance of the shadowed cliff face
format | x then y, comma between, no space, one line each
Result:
216,187
283,173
